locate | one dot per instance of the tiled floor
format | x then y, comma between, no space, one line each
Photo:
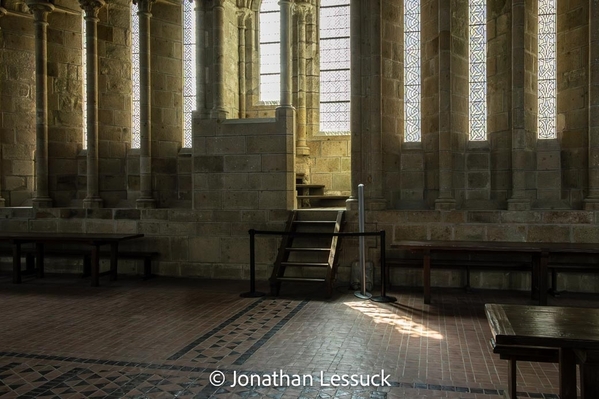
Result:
166,338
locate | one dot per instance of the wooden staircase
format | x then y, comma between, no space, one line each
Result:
308,258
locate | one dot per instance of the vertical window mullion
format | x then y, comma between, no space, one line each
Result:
270,51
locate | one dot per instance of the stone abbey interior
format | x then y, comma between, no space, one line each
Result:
193,122
212,143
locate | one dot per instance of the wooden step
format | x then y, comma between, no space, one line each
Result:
309,185
305,264
306,249
305,279
323,197
314,222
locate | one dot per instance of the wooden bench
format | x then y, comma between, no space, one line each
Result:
461,264
29,254
516,353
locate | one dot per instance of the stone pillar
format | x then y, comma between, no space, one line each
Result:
200,57
303,10
286,62
242,16
91,8
218,109
592,200
355,17
2,200
518,200
446,200
40,10
144,8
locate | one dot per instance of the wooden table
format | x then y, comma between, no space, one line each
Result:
573,331
93,240
539,251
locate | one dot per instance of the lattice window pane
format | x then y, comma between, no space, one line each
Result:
270,51
335,61
478,70
84,81
547,70
189,70
135,80
412,71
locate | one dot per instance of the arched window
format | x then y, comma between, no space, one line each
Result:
135,80
84,80
547,70
189,69
412,71
270,51
335,67
478,69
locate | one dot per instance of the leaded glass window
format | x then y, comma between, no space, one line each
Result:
135,80
547,70
412,71
84,81
270,51
478,69
334,67
189,69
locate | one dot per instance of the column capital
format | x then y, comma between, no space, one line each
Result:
2,11
40,9
303,9
242,17
218,3
144,6
91,7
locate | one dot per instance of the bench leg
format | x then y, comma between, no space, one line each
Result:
567,374
512,379
147,268
426,277
87,265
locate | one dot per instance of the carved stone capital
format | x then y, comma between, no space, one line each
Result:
218,3
244,3
242,17
91,7
40,9
144,6
303,10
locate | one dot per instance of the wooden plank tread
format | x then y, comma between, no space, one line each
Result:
323,196
304,185
306,279
314,222
308,249
308,264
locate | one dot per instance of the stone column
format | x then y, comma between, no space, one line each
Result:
446,200
218,109
286,62
145,200
355,16
518,200
40,10
242,16
303,10
91,8
592,200
2,200
200,57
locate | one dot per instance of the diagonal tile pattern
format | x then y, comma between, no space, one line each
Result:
167,338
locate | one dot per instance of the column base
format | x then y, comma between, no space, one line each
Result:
145,203
93,202
445,204
518,204
218,113
590,204
41,202
303,151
